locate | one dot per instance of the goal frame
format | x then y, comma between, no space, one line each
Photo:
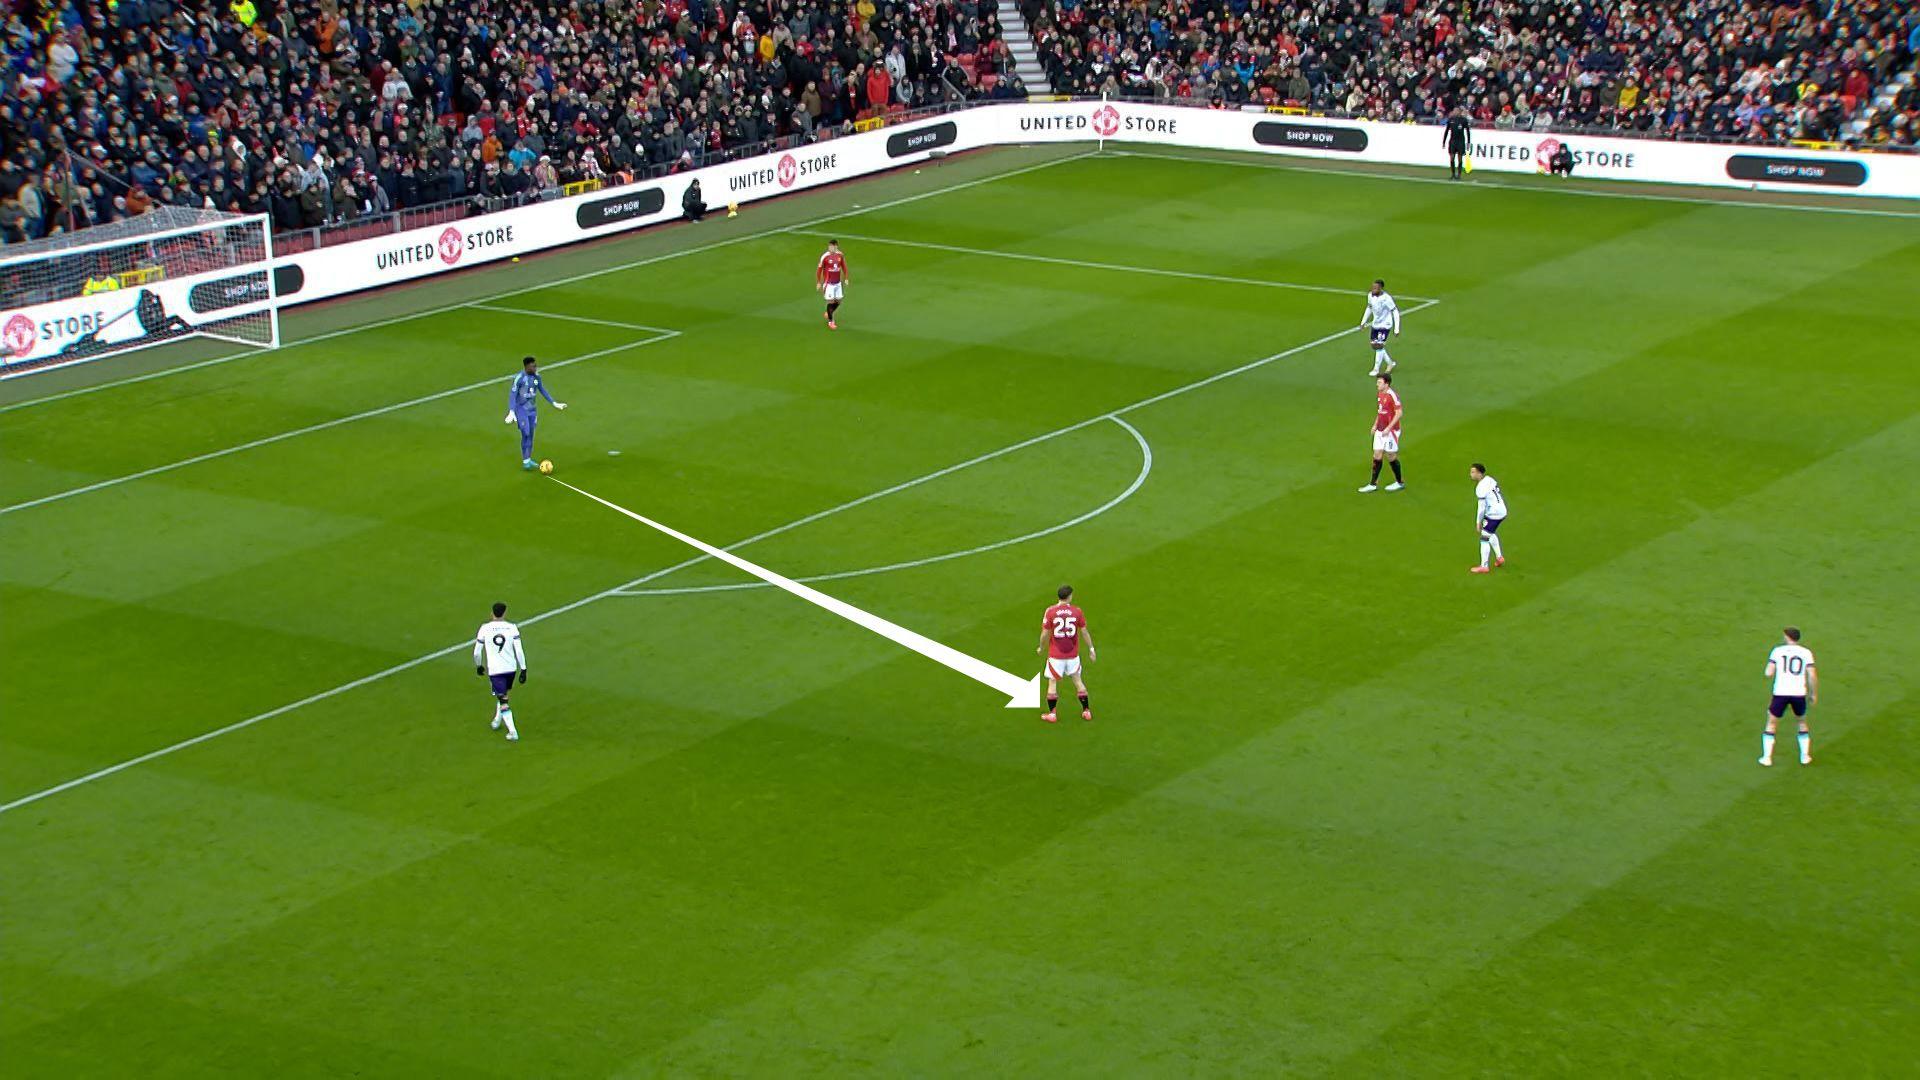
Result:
232,302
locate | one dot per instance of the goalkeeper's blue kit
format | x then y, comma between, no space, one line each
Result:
523,400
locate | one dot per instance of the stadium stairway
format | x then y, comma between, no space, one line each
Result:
1026,60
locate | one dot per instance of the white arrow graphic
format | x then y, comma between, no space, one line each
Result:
1021,693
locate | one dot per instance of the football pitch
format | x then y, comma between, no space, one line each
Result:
1344,809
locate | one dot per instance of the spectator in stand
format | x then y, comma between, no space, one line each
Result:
879,88
1669,69
32,209
292,95
12,222
545,177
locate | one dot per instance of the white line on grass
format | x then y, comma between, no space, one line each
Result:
572,318
1312,165
198,364
1088,265
1146,467
482,305
523,290
497,380
1252,364
695,560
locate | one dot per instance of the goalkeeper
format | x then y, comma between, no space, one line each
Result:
523,406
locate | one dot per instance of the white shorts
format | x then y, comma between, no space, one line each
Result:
834,292
1386,441
1063,669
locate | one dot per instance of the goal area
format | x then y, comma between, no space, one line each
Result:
161,277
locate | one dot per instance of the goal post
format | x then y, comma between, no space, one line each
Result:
164,276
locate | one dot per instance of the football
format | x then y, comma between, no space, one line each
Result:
546,466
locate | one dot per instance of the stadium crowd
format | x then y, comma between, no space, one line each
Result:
322,111
1740,70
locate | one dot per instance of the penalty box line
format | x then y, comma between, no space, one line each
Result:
1086,264
655,336
694,560
589,319
523,290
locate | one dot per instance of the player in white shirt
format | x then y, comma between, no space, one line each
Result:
1382,319
1795,686
1489,510
498,655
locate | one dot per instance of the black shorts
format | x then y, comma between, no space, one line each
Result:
1780,704
1491,525
501,683
1379,334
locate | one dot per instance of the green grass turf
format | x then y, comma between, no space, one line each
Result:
1347,810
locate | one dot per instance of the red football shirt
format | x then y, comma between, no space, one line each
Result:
1063,623
833,268
1388,418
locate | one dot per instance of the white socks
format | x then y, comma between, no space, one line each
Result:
1489,546
506,717
1806,748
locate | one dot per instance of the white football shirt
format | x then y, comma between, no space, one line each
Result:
1489,503
1790,665
497,645
1382,312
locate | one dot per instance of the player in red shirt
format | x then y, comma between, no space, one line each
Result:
1062,629
1386,433
831,280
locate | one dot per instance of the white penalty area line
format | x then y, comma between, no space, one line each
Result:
1313,165
644,579
1146,469
1085,264
324,425
556,283
588,319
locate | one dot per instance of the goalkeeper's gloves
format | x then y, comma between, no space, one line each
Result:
523,676
561,405
480,669
509,416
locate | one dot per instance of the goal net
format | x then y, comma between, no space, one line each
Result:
163,276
